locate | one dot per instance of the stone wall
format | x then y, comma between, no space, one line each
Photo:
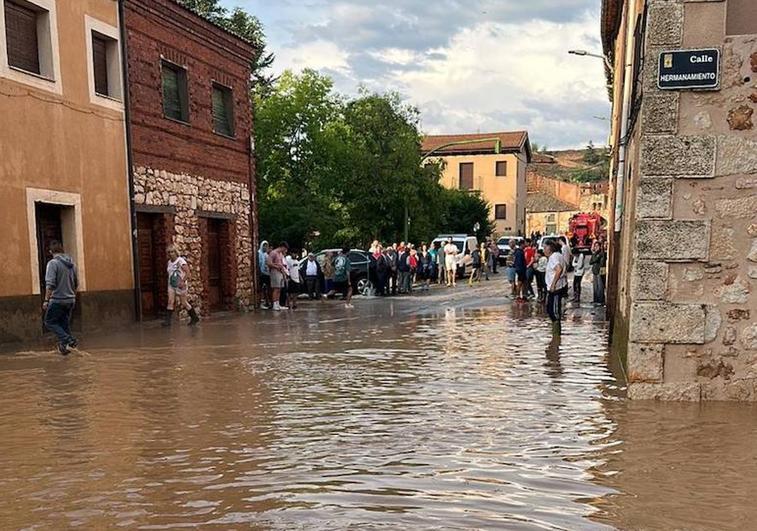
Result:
194,199
692,327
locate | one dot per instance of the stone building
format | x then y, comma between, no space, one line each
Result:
63,151
473,163
191,126
684,250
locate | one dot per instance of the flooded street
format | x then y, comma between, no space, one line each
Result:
448,411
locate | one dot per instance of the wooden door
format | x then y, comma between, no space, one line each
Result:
466,176
49,228
148,265
215,295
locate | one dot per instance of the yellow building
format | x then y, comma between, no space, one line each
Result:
547,214
63,174
492,164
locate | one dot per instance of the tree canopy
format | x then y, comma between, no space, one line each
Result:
335,170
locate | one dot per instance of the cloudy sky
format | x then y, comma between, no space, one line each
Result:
469,65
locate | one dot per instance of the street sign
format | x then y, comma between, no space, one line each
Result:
689,69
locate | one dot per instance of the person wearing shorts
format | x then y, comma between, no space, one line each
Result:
178,286
342,282
450,262
265,275
278,271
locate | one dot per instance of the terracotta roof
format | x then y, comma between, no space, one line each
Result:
543,158
611,18
510,141
542,202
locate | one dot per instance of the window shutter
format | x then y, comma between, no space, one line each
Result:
222,118
100,62
21,37
501,169
171,100
466,176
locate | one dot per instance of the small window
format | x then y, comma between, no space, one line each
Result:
223,110
500,212
21,37
551,218
175,94
100,63
502,168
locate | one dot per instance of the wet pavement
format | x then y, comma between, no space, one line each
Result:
446,411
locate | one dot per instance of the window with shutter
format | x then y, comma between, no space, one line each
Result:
502,168
466,176
500,211
100,62
223,110
175,96
21,37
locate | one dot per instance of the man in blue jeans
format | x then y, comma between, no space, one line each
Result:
60,296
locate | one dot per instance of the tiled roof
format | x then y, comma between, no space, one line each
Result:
541,202
510,141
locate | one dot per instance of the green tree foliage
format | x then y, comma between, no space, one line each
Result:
598,169
246,26
333,171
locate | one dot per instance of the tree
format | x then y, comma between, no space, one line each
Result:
590,155
244,25
462,211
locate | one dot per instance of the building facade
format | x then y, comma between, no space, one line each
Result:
476,163
191,129
63,172
684,191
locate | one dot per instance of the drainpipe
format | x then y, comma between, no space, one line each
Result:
130,160
627,90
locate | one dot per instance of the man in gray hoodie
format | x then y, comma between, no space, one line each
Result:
61,284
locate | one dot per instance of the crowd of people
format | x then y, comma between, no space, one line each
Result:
286,274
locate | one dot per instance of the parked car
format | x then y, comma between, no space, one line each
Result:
504,247
361,272
465,246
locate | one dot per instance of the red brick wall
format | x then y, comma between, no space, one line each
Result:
158,28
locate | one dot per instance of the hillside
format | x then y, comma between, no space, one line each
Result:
575,165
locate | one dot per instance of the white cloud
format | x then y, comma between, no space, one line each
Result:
318,55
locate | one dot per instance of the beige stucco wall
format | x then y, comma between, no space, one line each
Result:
687,252
510,190
65,143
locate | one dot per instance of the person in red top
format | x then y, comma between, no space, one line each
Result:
531,261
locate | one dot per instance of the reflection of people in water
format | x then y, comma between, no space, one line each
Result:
554,367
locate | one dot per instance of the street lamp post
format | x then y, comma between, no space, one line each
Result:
584,53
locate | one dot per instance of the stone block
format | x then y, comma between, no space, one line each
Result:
734,292
667,323
660,113
678,156
736,155
655,198
743,207
645,363
712,321
722,390
649,281
682,392
675,240
665,25
749,337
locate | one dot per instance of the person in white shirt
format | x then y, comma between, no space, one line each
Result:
557,282
178,286
580,265
293,288
450,262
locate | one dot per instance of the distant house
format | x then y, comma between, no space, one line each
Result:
473,164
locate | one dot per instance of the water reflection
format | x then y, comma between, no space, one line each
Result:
430,414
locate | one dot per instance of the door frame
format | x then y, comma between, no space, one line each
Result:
72,232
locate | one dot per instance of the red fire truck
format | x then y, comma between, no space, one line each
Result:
584,229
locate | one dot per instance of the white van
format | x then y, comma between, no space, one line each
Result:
465,246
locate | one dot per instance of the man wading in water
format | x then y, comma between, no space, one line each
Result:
556,284
178,280
61,283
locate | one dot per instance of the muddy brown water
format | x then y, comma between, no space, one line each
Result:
438,413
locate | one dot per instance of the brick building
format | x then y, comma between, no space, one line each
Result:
191,125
